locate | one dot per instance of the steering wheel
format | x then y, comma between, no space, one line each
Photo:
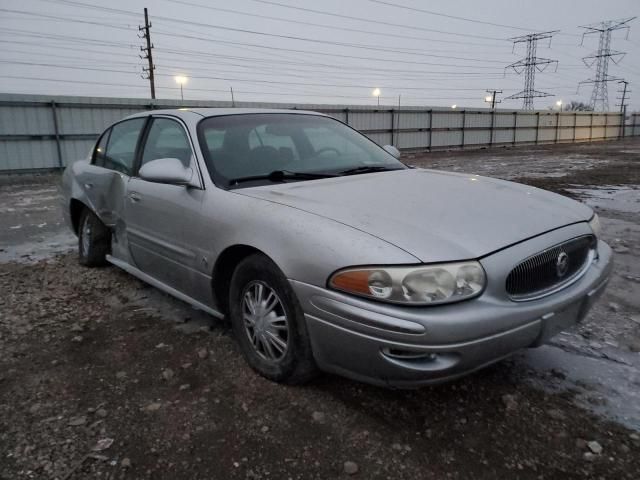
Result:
326,149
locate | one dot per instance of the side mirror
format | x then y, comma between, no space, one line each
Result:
167,170
392,150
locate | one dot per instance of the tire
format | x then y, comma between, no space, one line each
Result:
94,240
294,364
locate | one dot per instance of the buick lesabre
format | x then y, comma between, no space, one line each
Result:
325,252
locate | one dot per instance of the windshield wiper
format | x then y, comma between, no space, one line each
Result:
281,176
367,169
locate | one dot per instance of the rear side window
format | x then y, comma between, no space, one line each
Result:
101,149
166,139
121,146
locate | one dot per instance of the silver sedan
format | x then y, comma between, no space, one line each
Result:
325,252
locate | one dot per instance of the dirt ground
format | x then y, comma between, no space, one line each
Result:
103,377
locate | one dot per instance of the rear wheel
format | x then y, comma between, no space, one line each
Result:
268,322
94,240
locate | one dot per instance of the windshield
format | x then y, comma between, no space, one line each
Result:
256,145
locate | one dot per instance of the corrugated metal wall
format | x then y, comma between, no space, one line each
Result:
41,132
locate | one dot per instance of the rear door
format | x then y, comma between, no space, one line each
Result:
160,216
112,163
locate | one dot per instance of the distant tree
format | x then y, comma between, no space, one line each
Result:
575,106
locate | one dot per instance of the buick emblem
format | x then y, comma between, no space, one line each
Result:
562,264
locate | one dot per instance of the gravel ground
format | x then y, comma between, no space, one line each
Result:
104,377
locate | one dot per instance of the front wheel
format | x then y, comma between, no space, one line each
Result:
268,322
94,240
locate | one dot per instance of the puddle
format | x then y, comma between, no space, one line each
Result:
607,386
31,252
622,199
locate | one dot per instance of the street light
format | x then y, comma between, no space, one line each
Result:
376,93
488,99
181,80
559,104
454,106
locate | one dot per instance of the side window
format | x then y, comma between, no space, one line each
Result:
121,146
166,139
101,149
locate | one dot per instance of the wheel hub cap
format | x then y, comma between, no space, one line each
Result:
265,321
86,236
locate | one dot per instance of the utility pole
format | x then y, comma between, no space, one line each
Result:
599,96
623,106
491,98
233,100
148,71
529,65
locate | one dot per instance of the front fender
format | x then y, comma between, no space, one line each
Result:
306,247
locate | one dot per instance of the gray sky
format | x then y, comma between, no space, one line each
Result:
428,59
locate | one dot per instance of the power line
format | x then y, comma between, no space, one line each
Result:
83,61
385,34
77,40
305,39
236,79
279,71
529,65
323,42
378,22
198,24
455,17
252,61
294,53
326,54
599,95
64,19
247,92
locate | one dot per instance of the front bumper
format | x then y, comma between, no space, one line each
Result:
407,347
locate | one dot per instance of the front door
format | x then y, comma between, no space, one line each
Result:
160,216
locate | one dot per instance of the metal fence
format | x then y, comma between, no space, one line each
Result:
40,132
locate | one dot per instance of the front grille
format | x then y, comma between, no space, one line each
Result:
550,268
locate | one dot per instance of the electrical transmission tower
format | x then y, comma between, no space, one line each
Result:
529,65
599,96
148,71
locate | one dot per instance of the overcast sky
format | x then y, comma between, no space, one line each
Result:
306,51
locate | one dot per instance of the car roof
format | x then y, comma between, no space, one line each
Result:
215,112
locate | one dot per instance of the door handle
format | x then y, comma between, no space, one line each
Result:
135,197
88,186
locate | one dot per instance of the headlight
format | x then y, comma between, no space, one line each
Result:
421,285
594,223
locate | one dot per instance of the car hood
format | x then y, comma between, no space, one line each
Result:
433,215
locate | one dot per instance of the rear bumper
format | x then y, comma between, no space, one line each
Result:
408,347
